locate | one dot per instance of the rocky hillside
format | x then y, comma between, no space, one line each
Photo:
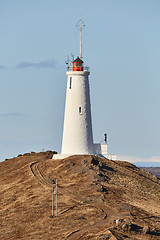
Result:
153,170
97,199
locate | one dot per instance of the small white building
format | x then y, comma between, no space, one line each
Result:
77,129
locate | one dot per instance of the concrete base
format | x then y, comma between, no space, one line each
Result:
61,156
108,156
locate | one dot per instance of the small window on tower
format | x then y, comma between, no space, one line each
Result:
80,110
70,83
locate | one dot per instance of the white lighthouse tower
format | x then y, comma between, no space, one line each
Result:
77,129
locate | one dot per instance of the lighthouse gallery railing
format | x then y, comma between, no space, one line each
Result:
84,69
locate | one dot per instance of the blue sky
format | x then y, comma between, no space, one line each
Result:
121,45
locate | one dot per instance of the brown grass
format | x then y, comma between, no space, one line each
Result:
92,193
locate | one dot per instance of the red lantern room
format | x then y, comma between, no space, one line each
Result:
77,64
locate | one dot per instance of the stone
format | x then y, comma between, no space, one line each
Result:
82,218
118,221
125,227
130,227
154,230
146,229
104,237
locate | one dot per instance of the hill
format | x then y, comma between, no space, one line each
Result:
97,199
153,170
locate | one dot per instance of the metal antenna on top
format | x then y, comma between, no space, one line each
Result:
80,25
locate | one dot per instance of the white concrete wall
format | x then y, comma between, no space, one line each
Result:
100,148
77,129
104,148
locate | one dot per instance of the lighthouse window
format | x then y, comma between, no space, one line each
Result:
70,83
80,110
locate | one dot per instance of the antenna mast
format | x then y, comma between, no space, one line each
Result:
80,25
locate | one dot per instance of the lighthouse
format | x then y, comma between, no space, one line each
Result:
77,129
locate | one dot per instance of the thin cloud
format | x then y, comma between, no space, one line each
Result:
137,159
50,63
2,67
12,114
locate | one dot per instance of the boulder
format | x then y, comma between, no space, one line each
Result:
103,237
146,229
125,227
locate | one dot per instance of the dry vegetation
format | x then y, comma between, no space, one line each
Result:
97,199
153,170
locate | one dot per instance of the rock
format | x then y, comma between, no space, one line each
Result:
130,227
125,227
104,237
154,230
118,221
146,229
100,164
82,218
155,177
